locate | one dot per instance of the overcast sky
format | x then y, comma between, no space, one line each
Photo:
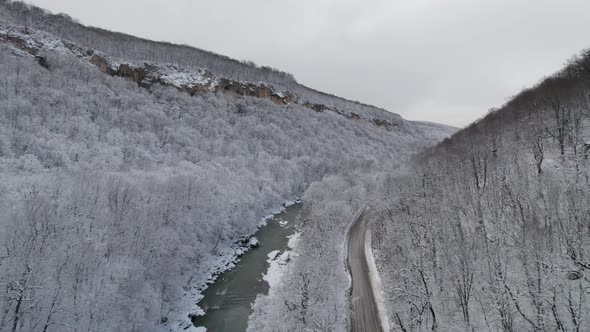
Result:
446,61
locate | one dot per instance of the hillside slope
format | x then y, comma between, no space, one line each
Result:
129,170
489,230
191,65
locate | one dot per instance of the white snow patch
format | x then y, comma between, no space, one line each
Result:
277,268
195,329
273,254
180,78
278,262
293,240
114,65
273,212
253,242
376,283
36,39
292,202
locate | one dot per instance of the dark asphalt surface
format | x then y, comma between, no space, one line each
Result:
364,315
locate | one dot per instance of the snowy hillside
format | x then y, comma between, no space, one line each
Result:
191,64
125,182
489,230
486,231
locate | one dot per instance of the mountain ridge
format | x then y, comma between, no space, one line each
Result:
149,52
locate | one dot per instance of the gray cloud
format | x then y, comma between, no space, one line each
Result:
446,61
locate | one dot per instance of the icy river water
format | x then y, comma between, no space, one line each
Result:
228,301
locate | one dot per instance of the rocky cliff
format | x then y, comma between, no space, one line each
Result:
146,75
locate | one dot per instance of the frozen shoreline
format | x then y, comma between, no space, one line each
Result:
278,263
213,268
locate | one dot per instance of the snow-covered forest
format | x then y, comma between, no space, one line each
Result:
114,198
489,231
121,193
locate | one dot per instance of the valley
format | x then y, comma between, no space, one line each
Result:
227,302
152,186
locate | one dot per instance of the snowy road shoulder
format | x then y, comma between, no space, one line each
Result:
376,282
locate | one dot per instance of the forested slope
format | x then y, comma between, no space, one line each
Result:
490,230
116,197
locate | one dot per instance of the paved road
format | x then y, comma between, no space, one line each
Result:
364,315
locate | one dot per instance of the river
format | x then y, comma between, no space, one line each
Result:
227,302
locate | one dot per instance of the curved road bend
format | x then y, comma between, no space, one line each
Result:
364,315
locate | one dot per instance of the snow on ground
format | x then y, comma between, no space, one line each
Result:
293,240
34,39
195,329
253,242
272,212
376,283
183,77
278,263
273,254
169,74
277,268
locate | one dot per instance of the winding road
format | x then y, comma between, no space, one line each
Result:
364,314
